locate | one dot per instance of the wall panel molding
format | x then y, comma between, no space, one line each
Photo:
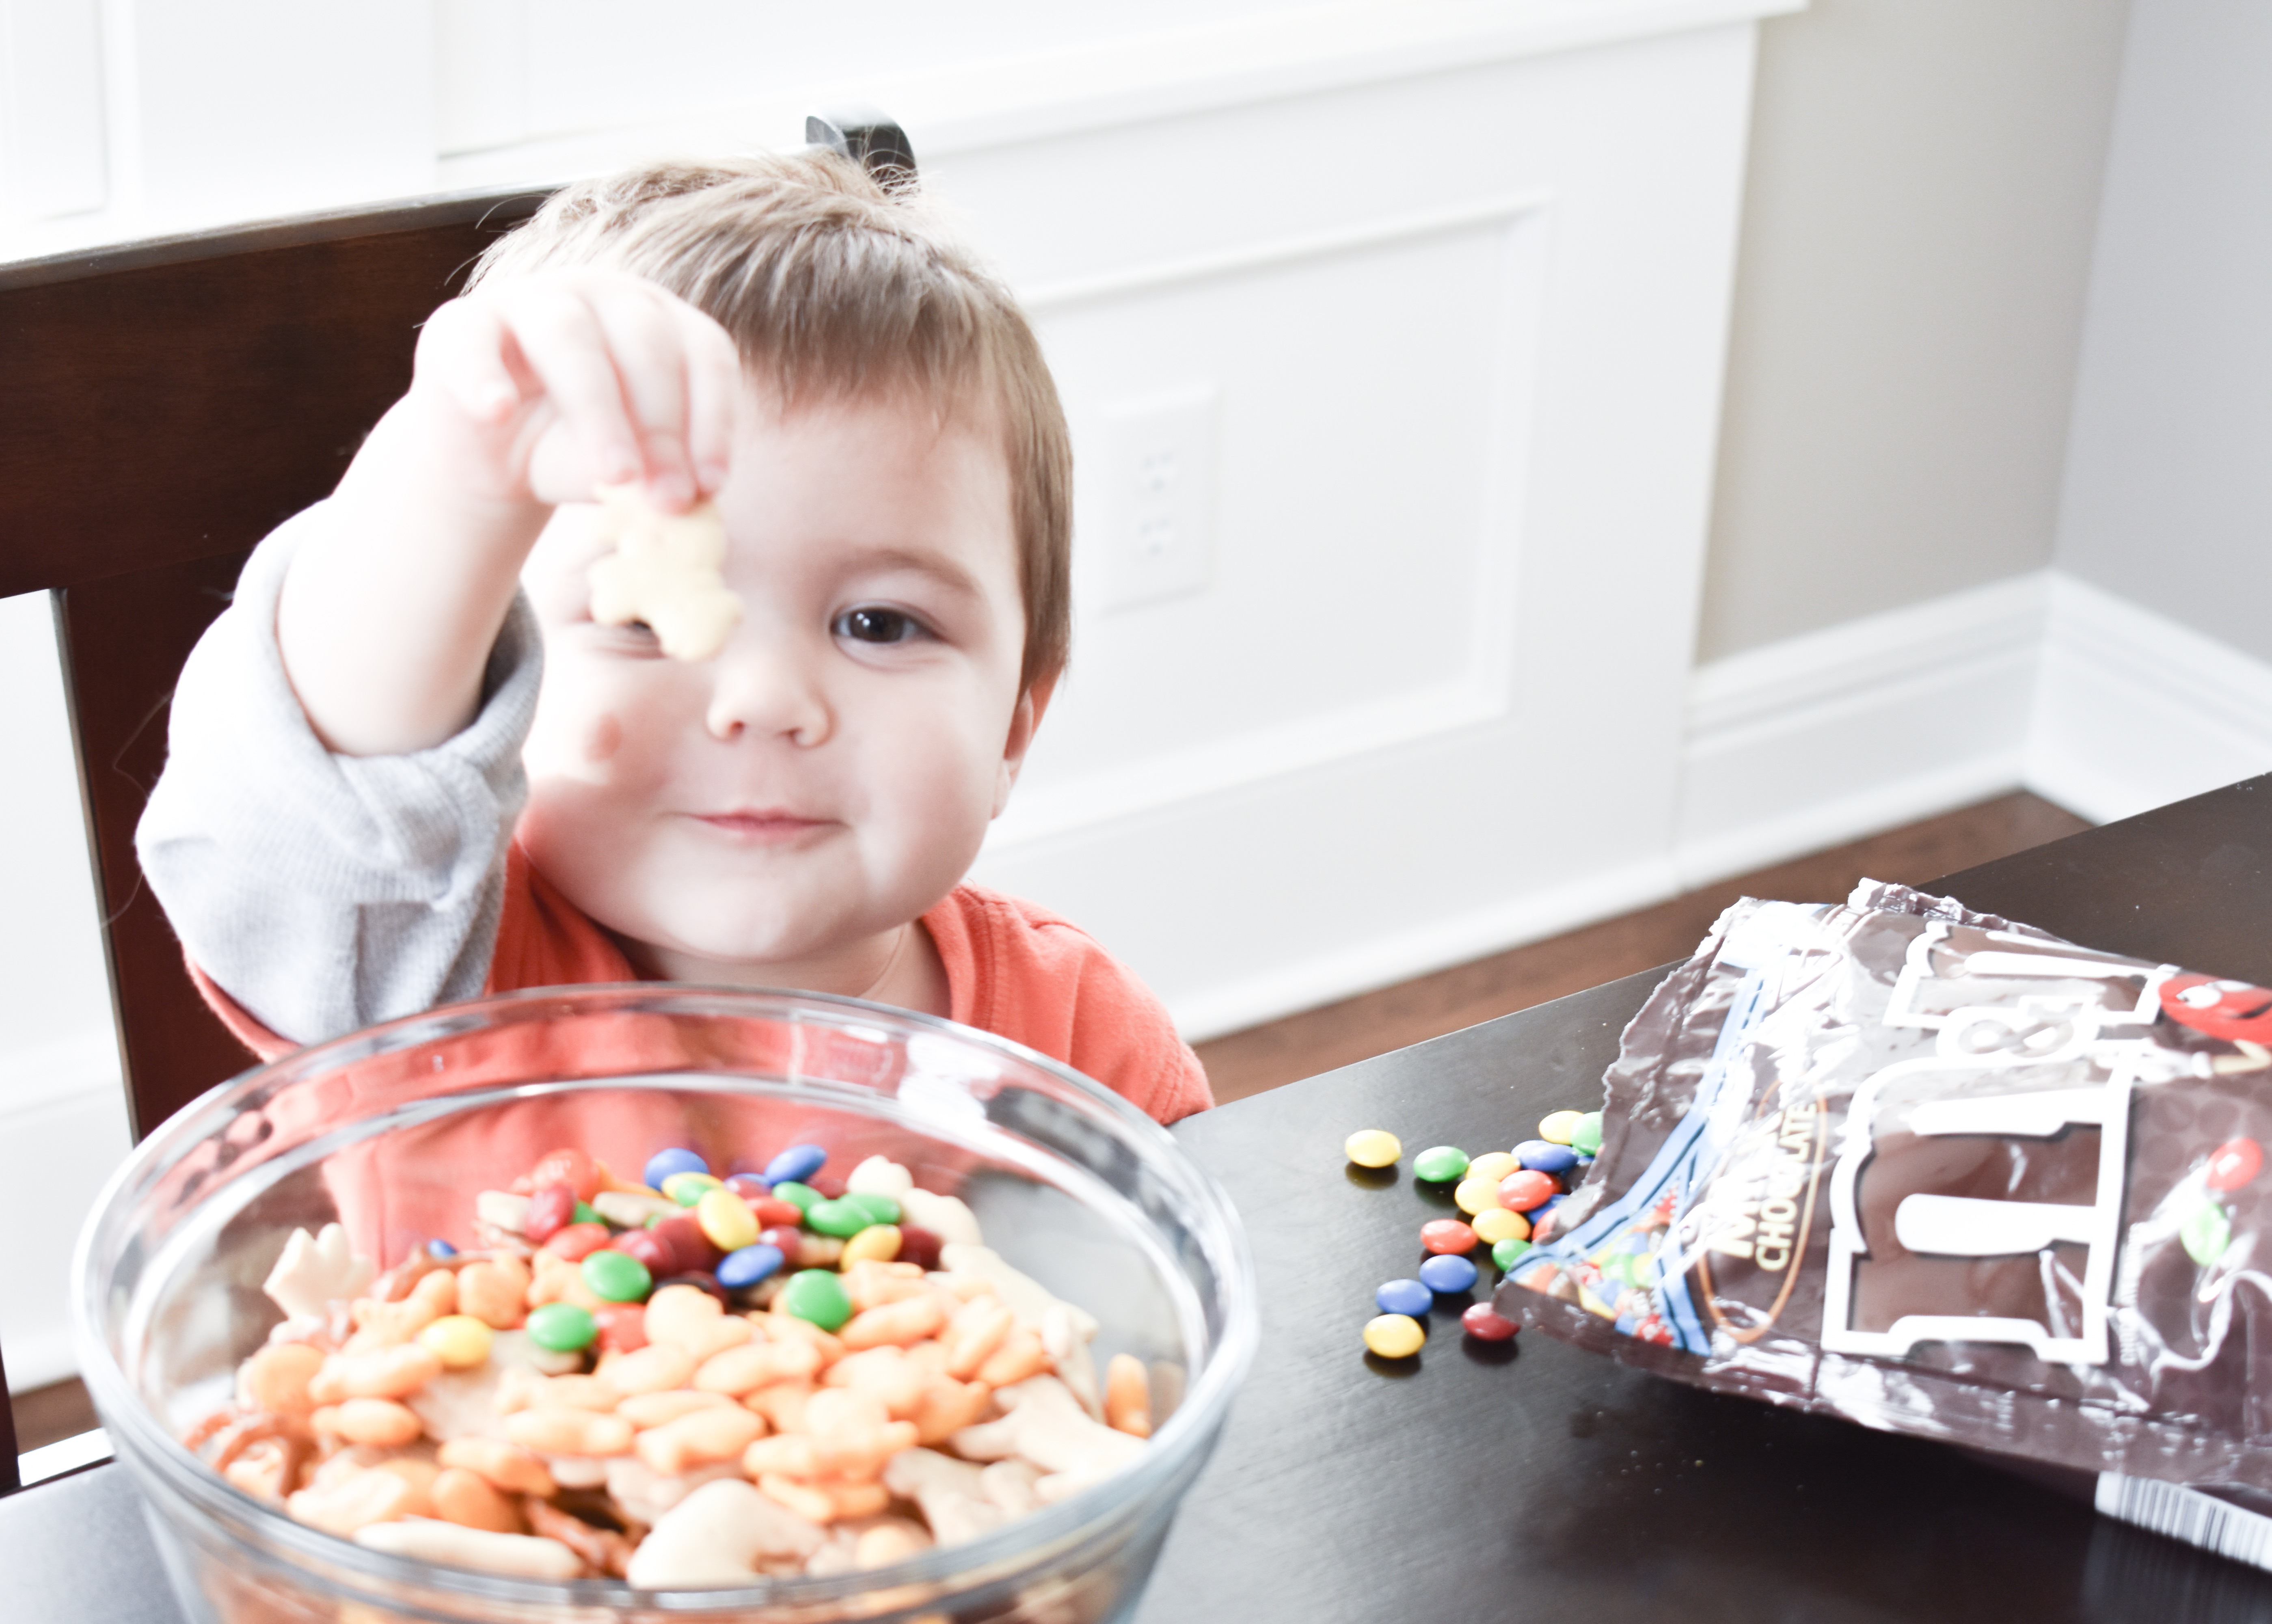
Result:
2135,710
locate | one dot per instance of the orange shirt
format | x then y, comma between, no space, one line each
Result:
1012,969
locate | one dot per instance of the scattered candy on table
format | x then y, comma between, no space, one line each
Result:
1507,1195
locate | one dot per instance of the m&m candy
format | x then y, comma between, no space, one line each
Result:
1372,1147
1405,1297
1394,1336
816,1296
663,1164
1558,1127
1475,1196
1545,1156
1493,1165
562,1327
798,1163
1439,1164
616,1276
1447,1272
2233,1164
1507,1253
1499,1224
1586,1138
1520,1192
1448,1236
1485,1323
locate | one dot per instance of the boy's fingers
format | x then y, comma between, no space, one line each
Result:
713,392
649,351
566,347
463,350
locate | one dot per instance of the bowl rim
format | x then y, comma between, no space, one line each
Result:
996,1556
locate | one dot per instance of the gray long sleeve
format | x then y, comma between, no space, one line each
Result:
324,892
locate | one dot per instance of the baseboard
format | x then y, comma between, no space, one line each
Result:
1838,734
1310,983
2134,710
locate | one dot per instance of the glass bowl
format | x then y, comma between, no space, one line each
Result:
392,1130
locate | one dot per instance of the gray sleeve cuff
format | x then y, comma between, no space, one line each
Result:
325,892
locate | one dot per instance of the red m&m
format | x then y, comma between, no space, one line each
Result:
1448,1236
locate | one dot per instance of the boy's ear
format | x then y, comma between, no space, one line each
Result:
1024,723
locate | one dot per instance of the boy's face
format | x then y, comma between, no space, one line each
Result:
831,774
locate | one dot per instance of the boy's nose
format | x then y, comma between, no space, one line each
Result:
767,690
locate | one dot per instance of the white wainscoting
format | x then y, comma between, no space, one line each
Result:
2133,710
1841,733
1430,699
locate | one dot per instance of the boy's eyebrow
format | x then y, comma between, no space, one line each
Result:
948,572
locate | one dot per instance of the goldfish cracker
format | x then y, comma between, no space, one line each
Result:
852,1435
1127,1396
656,1368
569,1431
576,1393
379,1373
377,1421
870,1283
697,1439
885,1375
494,1291
645,1410
755,1364
275,1379
899,1323
782,1404
1021,1355
355,1501
502,1465
947,1407
789,1328
976,1330
470,1500
688,1317
812,1504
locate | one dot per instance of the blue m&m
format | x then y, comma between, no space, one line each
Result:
746,1266
1447,1272
796,1164
663,1164
1542,1156
1407,1296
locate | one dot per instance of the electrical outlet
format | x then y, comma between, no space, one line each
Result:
1155,490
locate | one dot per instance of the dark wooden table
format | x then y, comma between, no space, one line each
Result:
1470,1483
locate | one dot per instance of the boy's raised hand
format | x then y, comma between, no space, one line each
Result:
532,391
563,381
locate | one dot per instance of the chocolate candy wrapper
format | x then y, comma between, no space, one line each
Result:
1943,1174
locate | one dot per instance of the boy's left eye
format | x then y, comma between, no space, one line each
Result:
877,625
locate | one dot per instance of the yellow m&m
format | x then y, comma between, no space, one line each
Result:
1556,1126
1393,1335
459,1340
1372,1147
1495,1165
1497,1223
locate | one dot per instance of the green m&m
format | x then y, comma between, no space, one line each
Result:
616,1275
816,1295
846,1217
1507,1253
803,1197
1439,1164
1586,1138
562,1327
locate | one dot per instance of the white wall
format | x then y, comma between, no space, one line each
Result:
1916,239
2168,499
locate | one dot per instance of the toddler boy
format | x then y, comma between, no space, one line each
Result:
372,804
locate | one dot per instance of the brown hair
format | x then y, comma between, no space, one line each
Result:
838,286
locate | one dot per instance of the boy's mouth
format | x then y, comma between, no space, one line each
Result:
762,826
